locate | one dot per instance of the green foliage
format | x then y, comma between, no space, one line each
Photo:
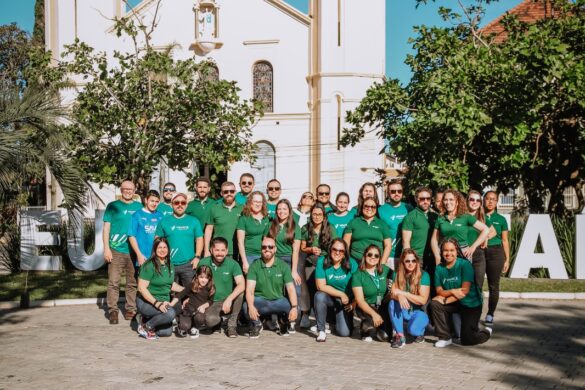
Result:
150,108
477,114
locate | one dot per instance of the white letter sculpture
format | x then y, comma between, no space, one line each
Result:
76,251
31,239
580,247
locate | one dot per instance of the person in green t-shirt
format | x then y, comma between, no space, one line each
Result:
370,286
497,257
410,292
117,221
222,220
323,192
165,207
273,190
267,279
200,206
342,216
367,190
333,279
455,223
475,208
228,299
457,292
246,188
155,283
393,212
250,229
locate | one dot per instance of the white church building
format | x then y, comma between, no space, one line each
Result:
308,69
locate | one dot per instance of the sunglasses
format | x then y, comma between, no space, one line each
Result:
168,190
373,255
246,183
267,247
225,192
179,203
323,193
409,261
424,199
308,196
474,199
336,250
273,188
369,207
396,191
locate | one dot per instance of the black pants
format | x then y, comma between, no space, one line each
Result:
184,274
495,259
478,262
470,333
188,319
367,327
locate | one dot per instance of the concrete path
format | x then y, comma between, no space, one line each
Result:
536,344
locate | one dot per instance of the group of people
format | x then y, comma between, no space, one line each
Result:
249,259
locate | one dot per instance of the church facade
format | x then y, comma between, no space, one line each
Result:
308,69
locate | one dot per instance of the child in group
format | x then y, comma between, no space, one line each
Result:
199,298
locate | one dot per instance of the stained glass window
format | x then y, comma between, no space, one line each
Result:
263,87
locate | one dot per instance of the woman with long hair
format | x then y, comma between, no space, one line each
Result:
410,292
367,190
301,213
455,223
497,256
457,292
156,280
370,289
333,275
200,298
475,208
251,227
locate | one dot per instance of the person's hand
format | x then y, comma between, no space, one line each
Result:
108,255
207,254
292,314
484,245
439,298
378,320
164,306
350,307
316,251
245,267
227,306
468,252
194,262
201,309
296,277
437,260
344,298
253,313
185,302
141,259
404,302
506,266
458,293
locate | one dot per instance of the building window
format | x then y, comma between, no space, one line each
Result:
264,168
263,87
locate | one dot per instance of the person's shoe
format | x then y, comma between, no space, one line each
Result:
398,342
489,320
419,339
321,337
181,333
489,330
272,323
367,339
443,343
305,322
456,340
381,335
141,331
151,335
255,331
113,318
314,329
129,315
231,332
291,328
194,333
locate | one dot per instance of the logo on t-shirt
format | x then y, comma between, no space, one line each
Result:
449,280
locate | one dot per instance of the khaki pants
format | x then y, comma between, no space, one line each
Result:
121,263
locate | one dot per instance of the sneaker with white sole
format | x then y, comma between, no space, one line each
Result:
321,337
489,320
255,331
141,331
398,341
327,329
291,328
194,333
443,343
367,339
283,329
181,333
305,322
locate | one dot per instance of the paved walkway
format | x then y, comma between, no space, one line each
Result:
536,344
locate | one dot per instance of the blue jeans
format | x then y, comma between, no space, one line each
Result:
252,259
281,307
184,274
288,259
161,322
343,319
417,320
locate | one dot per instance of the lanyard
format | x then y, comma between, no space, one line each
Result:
376,281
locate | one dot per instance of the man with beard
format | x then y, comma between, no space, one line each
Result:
165,207
200,206
222,219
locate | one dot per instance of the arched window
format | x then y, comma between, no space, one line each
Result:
263,87
264,168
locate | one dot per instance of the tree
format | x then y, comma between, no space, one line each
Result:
150,108
479,114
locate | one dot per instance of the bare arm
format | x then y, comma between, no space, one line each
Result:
406,236
106,241
387,250
295,261
483,235
347,239
435,246
252,312
322,286
292,297
358,293
134,244
241,236
506,245
208,234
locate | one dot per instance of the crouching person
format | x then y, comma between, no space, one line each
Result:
200,297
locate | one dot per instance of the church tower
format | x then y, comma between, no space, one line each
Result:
347,42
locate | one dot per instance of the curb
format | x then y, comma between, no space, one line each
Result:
538,295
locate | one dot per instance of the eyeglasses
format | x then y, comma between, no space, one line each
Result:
127,189
320,215
179,203
396,191
409,261
369,207
267,247
337,250
168,190
307,196
475,199
225,192
273,188
257,202
323,193
373,255
246,183
424,199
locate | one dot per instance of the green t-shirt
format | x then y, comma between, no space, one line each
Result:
181,233
458,228
241,199
283,247
225,221
450,278
500,224
200,209
270,281
340,222
393,216
425,280
119,215
421,225
164,209
338,278
364,234
271,210
374,286
223,276
313,239
160,283
254,230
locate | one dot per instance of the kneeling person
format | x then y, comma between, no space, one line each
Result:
227,299
264,290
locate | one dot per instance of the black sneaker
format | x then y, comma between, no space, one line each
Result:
283,329
231,332
181,333
419,339
255,331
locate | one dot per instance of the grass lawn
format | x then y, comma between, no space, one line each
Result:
67,285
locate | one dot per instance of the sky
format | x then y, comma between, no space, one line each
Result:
401,16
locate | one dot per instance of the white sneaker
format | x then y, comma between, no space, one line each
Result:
194,333
305,322
291,328
443,343
314,329
367,339
321,337
490,331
